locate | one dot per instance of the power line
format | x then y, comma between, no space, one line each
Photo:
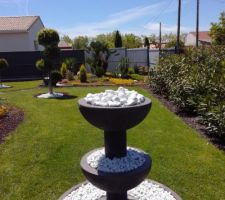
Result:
161,12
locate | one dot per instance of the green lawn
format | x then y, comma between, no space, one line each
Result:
40,159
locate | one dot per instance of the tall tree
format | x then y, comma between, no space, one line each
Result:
118,40
67,39
153,38
217,31
132,41
80,42
146,42
106,38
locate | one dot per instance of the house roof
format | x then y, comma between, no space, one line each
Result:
203,36
64,45
17,24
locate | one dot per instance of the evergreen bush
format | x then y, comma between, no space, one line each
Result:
63,70
83,74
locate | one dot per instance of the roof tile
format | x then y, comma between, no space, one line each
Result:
16,24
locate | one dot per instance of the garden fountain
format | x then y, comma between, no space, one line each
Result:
116,168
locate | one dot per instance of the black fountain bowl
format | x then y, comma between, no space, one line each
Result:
115,118
115,182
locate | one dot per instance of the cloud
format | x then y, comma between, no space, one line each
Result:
166,28
114,21
21,5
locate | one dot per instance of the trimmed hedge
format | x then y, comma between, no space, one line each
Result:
195,82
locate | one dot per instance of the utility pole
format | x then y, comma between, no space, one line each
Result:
178,27
160,37
197,24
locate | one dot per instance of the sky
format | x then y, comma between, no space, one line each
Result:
93,17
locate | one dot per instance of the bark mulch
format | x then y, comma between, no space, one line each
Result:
10,121
191,120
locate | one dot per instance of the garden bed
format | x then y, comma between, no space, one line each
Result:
190,119
10,121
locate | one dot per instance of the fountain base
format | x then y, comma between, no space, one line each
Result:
148,189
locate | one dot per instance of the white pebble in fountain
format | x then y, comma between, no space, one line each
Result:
134,159
145,191
115,98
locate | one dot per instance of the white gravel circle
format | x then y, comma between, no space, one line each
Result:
145,191
4,86
134,159
115,98
49,95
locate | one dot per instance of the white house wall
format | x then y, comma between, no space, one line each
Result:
35,28
14,42
190,40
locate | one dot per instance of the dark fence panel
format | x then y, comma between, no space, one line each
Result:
22,64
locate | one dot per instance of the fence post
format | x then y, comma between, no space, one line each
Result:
148,57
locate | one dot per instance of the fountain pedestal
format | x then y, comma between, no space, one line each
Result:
115,144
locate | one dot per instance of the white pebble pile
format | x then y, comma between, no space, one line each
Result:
115,98
131,161
49,95
145,191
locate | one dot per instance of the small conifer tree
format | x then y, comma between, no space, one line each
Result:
83,74
118,40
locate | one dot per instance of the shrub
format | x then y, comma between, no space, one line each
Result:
195,82
55,76
83,74
123,67
72,65
137,77
3,64
48,37
136,69
69,75
142,70
130,70
99,71
63,70
3,111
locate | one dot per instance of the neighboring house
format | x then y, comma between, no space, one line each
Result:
63,45
20,33
203,39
